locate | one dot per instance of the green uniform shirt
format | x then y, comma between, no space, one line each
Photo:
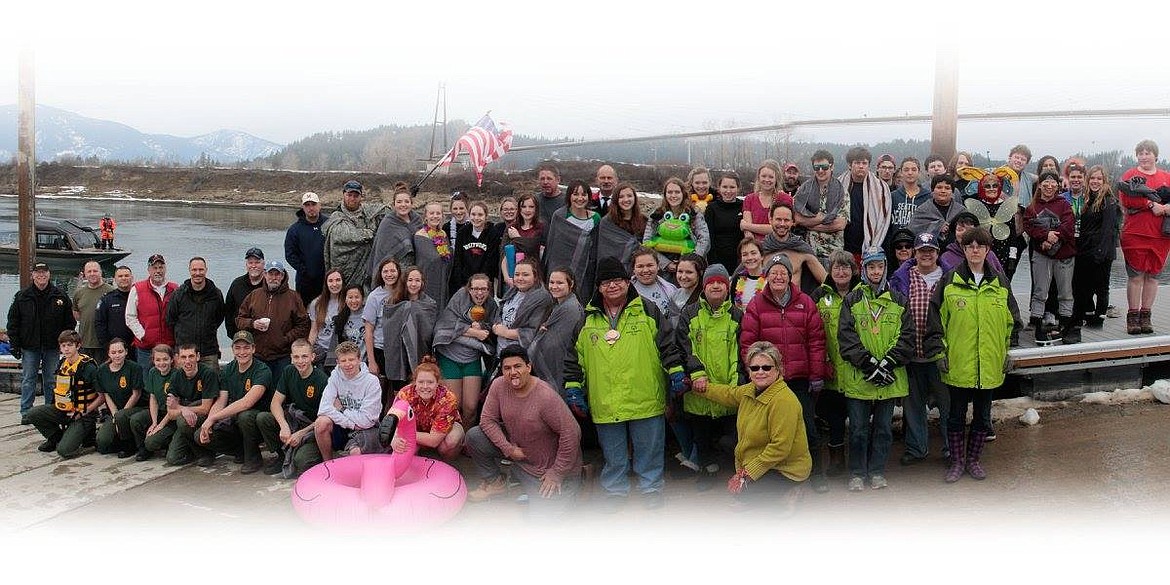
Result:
85,302
237,383
159,385
192,391
121,384
303,393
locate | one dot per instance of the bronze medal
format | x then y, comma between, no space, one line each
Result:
875,329
612,336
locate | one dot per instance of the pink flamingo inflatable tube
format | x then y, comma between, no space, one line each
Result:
369,489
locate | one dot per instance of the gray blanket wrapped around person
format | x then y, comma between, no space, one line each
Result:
394,239
436,269
616,242
407,330
528,316
456,318
569,246
555,339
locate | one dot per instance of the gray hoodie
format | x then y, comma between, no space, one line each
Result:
360,397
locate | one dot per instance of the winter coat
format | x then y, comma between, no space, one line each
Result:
152,312
349,240
893,339
290,320
976,322
195,316
625,380
796,329
37,317
829,303
709,341
109,318
304,250
239,290
1100,230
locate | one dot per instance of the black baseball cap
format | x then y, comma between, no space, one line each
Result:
40,266
256,253
352,186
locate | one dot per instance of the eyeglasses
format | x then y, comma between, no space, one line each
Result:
822,167
975,247
761,368
904,247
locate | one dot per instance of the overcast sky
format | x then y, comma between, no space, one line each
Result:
597,70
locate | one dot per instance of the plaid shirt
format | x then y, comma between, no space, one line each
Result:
920,294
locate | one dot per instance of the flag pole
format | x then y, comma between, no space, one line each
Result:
414,189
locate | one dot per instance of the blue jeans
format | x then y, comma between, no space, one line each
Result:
145,358
33,362
277,366
648,438
868,453
925,385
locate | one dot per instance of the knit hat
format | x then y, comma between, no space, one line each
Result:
610,268
873,254
716,273
782,260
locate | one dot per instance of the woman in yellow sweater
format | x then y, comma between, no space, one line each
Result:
771,457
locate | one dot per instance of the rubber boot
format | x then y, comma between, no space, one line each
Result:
1144,321
1133,324
836,460
975,442
820,483
1070,331
955,444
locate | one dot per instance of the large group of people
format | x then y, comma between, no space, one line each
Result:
773,332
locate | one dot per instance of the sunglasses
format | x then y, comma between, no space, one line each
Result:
991,185
822,167
761,368
904,247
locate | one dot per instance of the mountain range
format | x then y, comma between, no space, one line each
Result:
63,134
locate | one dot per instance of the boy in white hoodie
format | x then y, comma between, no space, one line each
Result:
350,406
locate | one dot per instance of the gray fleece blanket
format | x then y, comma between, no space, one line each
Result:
571,247
613,241
530,314
394,239
408,328
456,318
554,339
435,269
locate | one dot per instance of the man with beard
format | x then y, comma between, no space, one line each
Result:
548,191
276,317
146,309
349,234
304,247
792,179
196,312
85,302
527,422
242,286
798,251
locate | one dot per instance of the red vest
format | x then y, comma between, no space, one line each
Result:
151,313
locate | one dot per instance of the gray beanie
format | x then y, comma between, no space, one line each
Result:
781,259
717,273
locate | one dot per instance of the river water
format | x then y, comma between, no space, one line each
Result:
178,231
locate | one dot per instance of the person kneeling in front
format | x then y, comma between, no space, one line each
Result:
771,457
527,422
231,426
71,418
350,407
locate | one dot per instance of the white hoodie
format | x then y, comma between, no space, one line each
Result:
360,397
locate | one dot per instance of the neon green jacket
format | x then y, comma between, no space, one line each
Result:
860,336
625,380
709,342
829,303
976,323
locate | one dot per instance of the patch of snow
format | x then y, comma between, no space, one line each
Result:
1118,396
1030,417
71,190
1161,391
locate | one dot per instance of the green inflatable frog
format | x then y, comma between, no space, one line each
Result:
674,235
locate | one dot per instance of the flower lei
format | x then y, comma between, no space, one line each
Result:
741,285
439,239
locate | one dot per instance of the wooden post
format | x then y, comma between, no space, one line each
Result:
945,122
26,168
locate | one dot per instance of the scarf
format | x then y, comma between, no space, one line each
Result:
773,244
878,208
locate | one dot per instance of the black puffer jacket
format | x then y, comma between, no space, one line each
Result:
195,316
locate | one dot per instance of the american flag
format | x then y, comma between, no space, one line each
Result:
483,143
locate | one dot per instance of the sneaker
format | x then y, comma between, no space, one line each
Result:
274,466
47,446
489,489
687,463
522,499
820,483
705,481
181,462
908,459
24,420
856,484
878,482
250,467
124,454
205,460
143,455
990,436
653,500
1112,312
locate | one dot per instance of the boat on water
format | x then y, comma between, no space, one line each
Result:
63,244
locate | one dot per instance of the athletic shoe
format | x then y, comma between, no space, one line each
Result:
47,446
856,484
878,482
653,500
489,489
250,467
